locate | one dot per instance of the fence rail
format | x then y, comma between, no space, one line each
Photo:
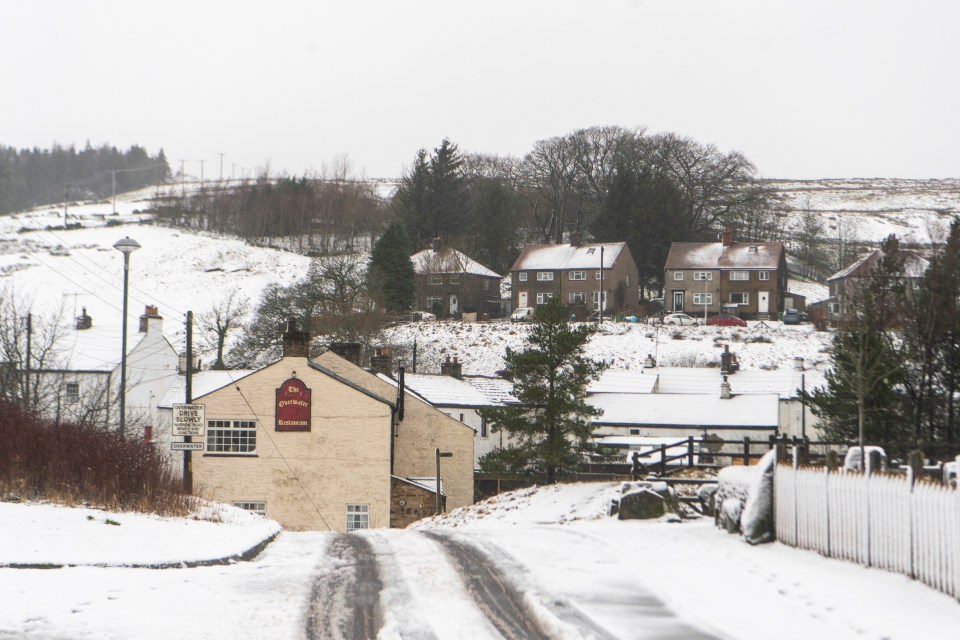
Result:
878,520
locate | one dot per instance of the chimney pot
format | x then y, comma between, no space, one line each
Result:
727,236
296,344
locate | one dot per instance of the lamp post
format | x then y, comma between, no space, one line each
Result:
126,246
440,454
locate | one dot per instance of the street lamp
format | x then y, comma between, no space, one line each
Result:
126,246
440,454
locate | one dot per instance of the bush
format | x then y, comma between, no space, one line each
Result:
74,464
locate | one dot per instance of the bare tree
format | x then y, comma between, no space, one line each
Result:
217,322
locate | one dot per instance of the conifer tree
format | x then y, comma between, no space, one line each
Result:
551,427
390,273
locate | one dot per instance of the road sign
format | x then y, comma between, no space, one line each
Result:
186,446
188,419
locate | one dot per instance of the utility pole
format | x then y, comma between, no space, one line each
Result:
26,382
600,298
183,188
201,173
187,454
221,167
66,203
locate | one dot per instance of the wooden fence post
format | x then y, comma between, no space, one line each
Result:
746,451
663,459
690,451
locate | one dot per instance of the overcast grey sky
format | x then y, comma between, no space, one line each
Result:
804,88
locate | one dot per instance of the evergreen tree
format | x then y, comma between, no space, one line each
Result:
390,273
493,223
552,425
411,202
448,191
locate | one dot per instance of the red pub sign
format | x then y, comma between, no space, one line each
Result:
293,406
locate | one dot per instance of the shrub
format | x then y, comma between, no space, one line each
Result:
74,464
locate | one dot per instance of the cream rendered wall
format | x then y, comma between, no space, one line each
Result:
343,459
422,431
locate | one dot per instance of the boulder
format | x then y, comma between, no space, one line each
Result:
642,504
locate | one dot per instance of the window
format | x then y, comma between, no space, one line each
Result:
454,278
543,297
256,507
435,280
433,302
486,285
703,275
358,517
72,391
577,297
703,298
591,251
634,432
596,299
544,276
678,275
578,275
231,436
739,275
764,275
740,298
483,428
522,276
834,307
598,275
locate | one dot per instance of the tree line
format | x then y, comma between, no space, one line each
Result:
32,177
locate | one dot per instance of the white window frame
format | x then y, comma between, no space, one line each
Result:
542,297
436,280
763,275
522,276
578,275
744,297
358,517
544,276
703,275
433,301
740,276
484,430
598,275
454,278
256,506
220,438
678,275
71,392
698,299
595,298
834,307
577,297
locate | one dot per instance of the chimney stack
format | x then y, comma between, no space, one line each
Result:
576,239
437,244
349,351
725,389
149,313
453,368
727,236
380,361
84,321
296,343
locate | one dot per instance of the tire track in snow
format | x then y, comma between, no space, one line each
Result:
495,596
344,603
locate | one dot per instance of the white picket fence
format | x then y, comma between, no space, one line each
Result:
878,520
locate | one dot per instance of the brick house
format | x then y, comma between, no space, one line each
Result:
846,281
748,279
577,273
450,282
322,444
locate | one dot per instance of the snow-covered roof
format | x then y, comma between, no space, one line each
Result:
203,382
759,411
567,256
94,349
497,390
705,380
914,265
448,261
714,255
445,391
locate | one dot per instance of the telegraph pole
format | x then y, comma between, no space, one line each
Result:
183,188
26,396
187,454
221,167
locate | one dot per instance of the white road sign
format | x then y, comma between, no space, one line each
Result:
188,419
186,446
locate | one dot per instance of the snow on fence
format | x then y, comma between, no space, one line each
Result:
879,520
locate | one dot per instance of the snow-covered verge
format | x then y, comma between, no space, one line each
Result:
49,534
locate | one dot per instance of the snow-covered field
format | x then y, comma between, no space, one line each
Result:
554,545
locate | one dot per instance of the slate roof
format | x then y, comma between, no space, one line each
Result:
567,256
713,255
759,411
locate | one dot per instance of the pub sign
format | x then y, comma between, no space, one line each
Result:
293,406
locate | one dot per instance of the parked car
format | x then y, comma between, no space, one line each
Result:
416,316
522,314
681,319
791,316
726,320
